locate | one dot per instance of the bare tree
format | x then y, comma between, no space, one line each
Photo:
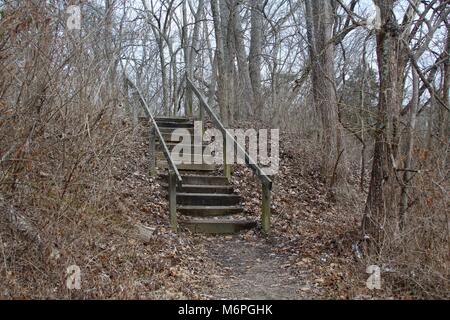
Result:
255,58
320,32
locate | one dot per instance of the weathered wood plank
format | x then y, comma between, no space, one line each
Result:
173,200
265,210
152,152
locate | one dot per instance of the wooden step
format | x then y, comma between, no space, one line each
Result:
186,188
224,189
209,211
208,199
160,156
170,130
174,125
204,180
162,164
217,226
168,137
172,119
186,147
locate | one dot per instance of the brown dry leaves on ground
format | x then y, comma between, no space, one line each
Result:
100,238
307,255
314,234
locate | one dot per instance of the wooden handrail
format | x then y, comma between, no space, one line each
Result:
251,163
174,175
266,182
158,132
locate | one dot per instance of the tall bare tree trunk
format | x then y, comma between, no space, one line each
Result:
320,31
380,216
228,17
255,53
190,49
223,27
444,115
221,81
247,99
164,74
407,176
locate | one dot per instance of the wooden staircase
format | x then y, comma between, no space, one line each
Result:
206,202
202,197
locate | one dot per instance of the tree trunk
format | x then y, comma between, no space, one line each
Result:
255,53
320,32
380,216
224,27
228,18
191,49
222,85
164,79
409,149
444,115
246,97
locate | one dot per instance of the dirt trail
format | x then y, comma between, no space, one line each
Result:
253,271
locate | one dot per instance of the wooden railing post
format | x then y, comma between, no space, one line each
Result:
201,112
265,210
173,200
151,151
226,165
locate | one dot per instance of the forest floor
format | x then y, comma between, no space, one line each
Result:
254,271
307,255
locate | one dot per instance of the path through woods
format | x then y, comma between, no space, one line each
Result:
303,257
253,271
307,254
